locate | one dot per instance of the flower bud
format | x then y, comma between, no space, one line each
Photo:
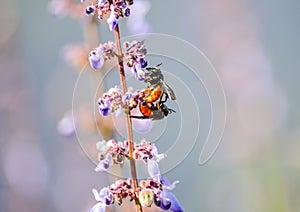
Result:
90,10
129,2
127,12
146,197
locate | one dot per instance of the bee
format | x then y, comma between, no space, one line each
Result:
154,78
153,111
152,99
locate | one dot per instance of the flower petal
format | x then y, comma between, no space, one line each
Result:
96,59
101,2
138,71
96,195
153,170
112,21
103,165
99,207
175,205
165,204
104,106
156,156
101,146
167,185
105,195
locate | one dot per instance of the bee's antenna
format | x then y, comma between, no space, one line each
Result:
159,64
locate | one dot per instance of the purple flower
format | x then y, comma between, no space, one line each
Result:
104,198
138,71
96,58
112,20
104,164
168,201
104,105
104,195
167,198
175,205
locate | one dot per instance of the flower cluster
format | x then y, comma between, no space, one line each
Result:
111,152
153,190
134,56
103,52
148,192
116,192
158,192
117,9
113,101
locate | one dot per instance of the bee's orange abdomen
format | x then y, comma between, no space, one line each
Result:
145,109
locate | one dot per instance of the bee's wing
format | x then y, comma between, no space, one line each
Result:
166,88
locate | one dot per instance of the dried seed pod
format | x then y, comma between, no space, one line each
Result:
129,2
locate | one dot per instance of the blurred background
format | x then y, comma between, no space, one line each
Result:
254,47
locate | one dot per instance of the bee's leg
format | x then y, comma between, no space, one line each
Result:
158,105
152,106
139,117
171,110
161,98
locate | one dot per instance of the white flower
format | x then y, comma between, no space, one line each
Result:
99,207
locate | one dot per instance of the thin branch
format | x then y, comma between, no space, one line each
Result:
128,119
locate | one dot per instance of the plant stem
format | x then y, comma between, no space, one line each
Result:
128,119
